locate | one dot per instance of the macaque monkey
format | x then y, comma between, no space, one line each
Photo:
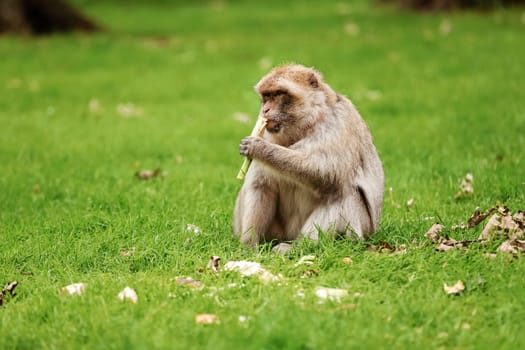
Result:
314,169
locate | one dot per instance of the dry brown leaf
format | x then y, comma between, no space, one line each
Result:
433,232
347,261
332,294
8,291
74,289
446,244
478,217
466,186
442,247
507,223
207,319
127,252
249,268
147,174
519,217
491,256
454,289
214,264
128,294
309,273
305,260
508,248
384,247
520,244
190,282
492,225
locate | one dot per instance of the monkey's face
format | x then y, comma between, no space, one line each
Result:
277,109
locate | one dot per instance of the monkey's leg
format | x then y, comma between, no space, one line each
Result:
349,217
258,215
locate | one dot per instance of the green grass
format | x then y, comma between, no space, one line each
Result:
439,105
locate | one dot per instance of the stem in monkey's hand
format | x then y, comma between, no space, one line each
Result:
258,130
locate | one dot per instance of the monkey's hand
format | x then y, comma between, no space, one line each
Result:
252,146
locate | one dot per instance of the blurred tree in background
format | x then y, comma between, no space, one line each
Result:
442,5
42,17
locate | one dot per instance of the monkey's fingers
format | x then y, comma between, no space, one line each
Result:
258,130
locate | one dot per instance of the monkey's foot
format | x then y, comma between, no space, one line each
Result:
282,248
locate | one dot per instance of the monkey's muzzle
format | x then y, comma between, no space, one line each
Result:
273,126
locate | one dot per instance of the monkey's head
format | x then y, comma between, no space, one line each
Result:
293,98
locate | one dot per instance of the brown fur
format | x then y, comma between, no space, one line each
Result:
315,168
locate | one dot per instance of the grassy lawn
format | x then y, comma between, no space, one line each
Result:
442,94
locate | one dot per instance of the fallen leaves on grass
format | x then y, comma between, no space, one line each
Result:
510,227
454,289
128,294
445,243
466,186
8,291
250,268
74,289
331,294
207,319
501,224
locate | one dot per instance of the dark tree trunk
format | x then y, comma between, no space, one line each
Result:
42,17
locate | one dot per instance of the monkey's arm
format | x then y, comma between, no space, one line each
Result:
292,164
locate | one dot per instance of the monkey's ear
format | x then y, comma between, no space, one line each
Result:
313,81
